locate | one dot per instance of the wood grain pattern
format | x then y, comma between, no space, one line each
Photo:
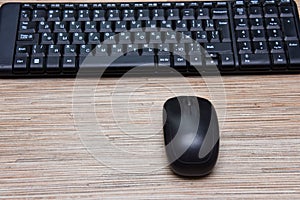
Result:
43,156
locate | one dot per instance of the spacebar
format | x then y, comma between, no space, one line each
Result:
116,61
133,61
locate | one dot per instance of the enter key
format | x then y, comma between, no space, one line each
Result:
293,48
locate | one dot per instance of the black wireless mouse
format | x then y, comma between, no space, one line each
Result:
191,133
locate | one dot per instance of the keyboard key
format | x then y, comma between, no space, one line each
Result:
84,15
227,62
243,35
179,62
279,59
188,14
22,50
54,15
125,38
98,15
223,26
260,47
241,24
133,61
105,26
39,50
37,64
68,15
218,47
271,11
69,64
173,14
201,36
255,12
166,25
196,25
257,23
258,35
94,38
139,37
47,38
85,50
45,27
120,26
219,13
213,36
38,15
60,27
181,25
147,49
109,38
293,50
202,13
254,62
25,15
289,28
20,65
273,23
274,35
63,38
209,25
27,27
54,50
240,12
143,14
170,37
101,50
163,60
244,47
113,15
28,38
136,26
70,50
158,14
276,47
79,38
128,15
195,60
286,11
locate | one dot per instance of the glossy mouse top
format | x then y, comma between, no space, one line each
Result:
191,134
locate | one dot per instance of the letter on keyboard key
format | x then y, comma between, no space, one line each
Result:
255,62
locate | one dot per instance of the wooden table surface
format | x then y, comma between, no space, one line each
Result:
102,139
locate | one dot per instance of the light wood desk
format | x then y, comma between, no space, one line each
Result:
43,156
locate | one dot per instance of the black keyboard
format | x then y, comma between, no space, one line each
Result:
235,37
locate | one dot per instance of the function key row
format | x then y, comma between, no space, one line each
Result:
125,5
125,15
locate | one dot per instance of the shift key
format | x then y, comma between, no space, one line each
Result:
218,47
293,48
